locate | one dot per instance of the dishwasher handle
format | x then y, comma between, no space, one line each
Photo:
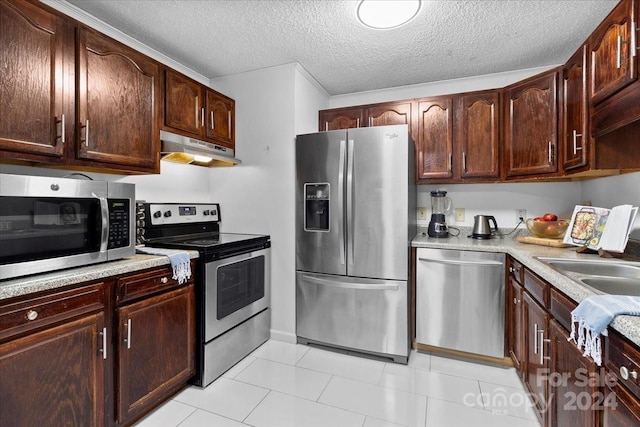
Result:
485,263
345,285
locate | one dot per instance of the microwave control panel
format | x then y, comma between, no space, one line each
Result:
119,223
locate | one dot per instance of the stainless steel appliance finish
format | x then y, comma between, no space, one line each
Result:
355,218
460,300
233,282
51,223
182,149
482,226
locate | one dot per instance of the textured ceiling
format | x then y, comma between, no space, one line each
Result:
449,39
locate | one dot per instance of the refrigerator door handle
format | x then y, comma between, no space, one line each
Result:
350,285
350,207
341,227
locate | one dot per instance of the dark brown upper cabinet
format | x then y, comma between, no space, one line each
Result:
477,136
389,114
195,110
575,135
386,113
34,45
613,52
531,126
434,142
117,112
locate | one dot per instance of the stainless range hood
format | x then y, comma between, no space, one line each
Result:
182,149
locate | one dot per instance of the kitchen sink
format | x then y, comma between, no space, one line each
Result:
613,285
609,277
602,268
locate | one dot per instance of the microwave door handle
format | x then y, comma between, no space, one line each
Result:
104,208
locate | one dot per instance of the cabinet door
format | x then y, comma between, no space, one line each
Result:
478,135
341,118
61,372
435,139
32,54
117,88
183,104
220,117
573,390
575,109
536,352
531,126
613,62
389,114
156,342
621,408
515,325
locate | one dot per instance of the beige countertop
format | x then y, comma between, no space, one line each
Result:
527,254
71,276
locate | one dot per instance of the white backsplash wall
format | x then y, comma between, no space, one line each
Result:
615,190
501,200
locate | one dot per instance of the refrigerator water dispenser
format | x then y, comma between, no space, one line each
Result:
316,207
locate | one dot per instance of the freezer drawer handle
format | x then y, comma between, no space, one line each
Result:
360,286
456,262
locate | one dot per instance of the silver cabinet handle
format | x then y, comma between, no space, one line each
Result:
103,350
634,39
575,141
358,122
128,338
370,121
550,157
32,315
535,338
62,129
450,162
464,161
202,116
229,122
86,133
326,126
542,341
196,111
213,123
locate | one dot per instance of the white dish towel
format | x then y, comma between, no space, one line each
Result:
593,315
180,261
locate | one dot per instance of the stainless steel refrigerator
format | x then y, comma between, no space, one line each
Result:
355,218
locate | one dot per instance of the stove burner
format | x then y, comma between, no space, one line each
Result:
205,242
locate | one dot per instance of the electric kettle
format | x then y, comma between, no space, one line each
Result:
482,228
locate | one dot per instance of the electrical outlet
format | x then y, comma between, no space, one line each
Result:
459,214
422,214
521,213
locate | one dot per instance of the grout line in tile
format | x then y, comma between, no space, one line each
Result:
254,408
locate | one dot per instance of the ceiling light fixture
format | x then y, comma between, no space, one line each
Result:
386,14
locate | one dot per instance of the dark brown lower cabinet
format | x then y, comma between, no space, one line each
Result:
156,341
574,397
622,410
53,361
536,321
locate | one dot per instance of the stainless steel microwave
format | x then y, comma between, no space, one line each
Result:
48,223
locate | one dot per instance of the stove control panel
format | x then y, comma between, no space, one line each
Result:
177,213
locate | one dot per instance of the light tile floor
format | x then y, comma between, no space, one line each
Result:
291,385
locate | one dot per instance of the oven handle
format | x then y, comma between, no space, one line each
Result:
350,285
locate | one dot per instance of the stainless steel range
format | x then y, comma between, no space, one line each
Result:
232,281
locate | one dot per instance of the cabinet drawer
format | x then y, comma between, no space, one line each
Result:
515,270
146,283
623,361
537,287
561,308
34,313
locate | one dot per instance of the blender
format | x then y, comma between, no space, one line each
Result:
440,205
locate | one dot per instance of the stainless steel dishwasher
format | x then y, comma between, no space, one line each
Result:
460,300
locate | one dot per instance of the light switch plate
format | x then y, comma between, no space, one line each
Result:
422,214
459,214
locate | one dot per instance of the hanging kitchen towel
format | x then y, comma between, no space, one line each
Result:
593,315
180,261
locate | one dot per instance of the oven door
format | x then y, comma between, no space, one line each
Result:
235,289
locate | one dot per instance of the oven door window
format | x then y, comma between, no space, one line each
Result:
35,228
239,284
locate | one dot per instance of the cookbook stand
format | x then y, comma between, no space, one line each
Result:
601,252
